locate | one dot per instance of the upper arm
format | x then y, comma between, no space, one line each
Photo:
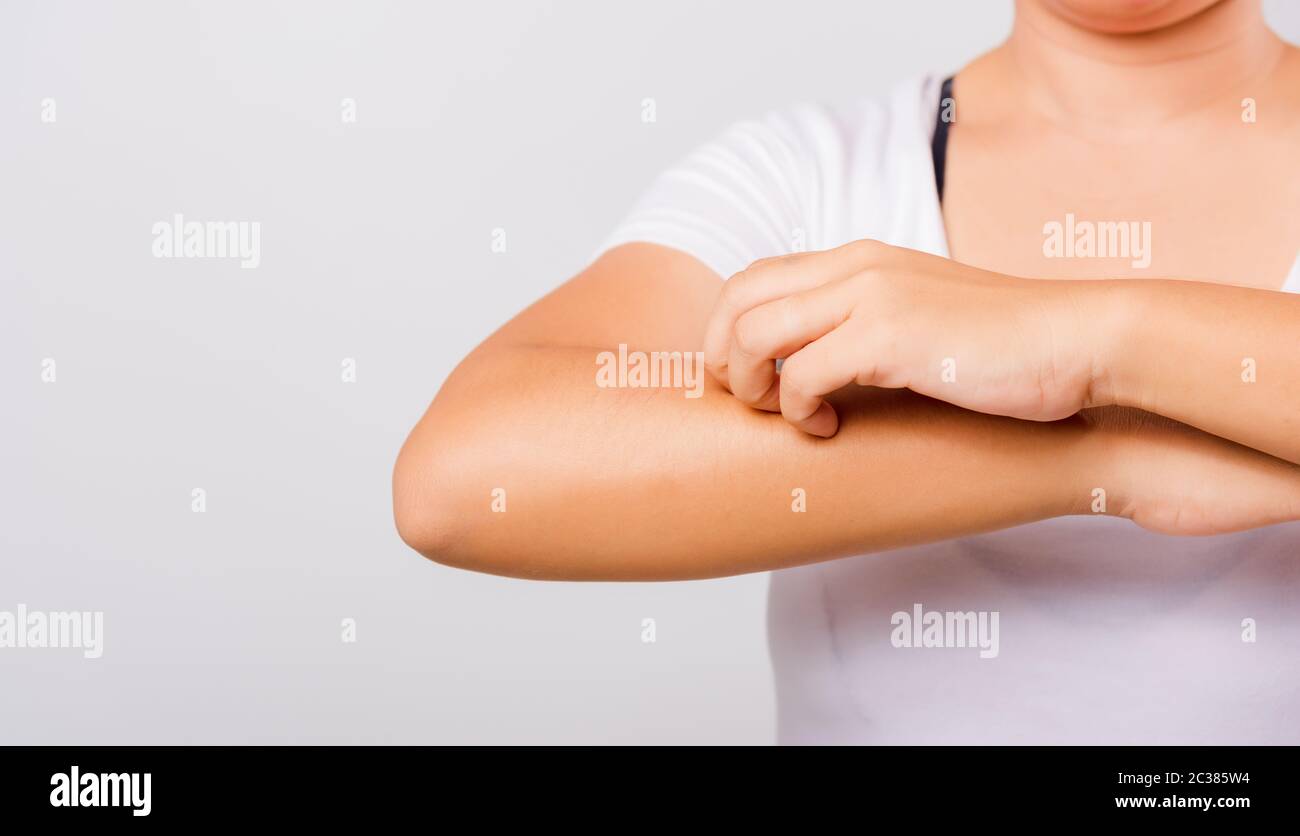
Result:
646,296
735,199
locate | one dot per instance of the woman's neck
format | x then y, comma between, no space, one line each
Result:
1130,83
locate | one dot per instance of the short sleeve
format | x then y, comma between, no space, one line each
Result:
729,203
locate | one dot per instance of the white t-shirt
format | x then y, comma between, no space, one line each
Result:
1106,633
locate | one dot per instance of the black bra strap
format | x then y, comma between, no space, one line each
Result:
939,144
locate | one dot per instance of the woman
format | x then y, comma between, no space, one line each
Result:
1018,458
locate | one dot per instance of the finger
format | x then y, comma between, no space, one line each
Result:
770,279
778,329
816,370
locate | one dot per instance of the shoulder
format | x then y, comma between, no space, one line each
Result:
868,127
807,176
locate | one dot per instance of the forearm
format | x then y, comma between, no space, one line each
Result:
648,484
524,466
1221,358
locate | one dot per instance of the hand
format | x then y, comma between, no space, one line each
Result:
877,315
1174,479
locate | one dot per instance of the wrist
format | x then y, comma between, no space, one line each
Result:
1111,322
1103,461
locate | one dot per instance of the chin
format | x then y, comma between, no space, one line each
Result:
1126,17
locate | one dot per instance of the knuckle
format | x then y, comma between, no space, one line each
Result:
732,288
869,250
748,335
746,276
740,286
789,314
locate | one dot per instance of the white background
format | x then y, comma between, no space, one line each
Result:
224,627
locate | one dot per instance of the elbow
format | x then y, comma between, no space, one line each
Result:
423,501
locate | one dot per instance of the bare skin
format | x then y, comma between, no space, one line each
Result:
642,484
876,315
1060,119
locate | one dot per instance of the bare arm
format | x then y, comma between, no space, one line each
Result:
1224,359
637,484
1221,358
